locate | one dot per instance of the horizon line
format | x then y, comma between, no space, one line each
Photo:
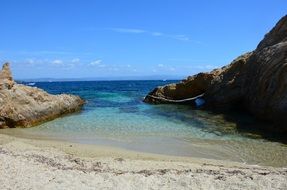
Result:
138,78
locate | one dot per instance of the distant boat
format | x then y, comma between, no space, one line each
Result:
164,80
31,83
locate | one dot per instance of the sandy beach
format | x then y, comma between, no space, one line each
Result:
143,95
35,164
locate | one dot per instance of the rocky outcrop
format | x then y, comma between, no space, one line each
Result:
6,80
24,106
255,81
208,83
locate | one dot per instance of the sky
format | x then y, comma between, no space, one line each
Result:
129,38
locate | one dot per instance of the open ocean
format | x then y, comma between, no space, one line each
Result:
115,115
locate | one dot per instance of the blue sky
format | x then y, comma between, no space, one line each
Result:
105,38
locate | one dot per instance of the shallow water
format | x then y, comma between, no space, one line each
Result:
115,115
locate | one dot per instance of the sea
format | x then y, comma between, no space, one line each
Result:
115,115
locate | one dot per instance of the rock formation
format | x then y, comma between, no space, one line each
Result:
24,106
255,81
6,80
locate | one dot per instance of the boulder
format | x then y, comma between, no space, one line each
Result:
25,106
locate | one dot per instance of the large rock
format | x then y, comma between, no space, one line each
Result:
208,83
24,106
255,81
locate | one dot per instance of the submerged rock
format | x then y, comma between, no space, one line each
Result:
24,106
255,82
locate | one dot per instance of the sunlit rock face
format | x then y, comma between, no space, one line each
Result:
6,79
255,81
24,106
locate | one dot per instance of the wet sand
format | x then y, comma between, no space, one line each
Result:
251,151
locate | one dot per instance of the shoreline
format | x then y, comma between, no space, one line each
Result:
28,163
104,151
195,150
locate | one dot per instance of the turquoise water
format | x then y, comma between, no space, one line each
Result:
115,115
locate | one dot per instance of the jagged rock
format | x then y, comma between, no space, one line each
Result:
24,106
276,35
6,79
255,81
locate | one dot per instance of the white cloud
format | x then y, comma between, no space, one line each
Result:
101,65
162,67
205,67
128,30
156,33
57,62
180,37
75,60
96,62
171,68
30,61
114,69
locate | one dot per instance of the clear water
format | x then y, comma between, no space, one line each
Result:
115,115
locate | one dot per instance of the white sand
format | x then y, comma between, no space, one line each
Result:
38,164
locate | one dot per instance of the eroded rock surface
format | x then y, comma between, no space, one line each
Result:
24,106
255,81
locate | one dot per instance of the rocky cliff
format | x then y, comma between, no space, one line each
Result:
24,106
255,81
